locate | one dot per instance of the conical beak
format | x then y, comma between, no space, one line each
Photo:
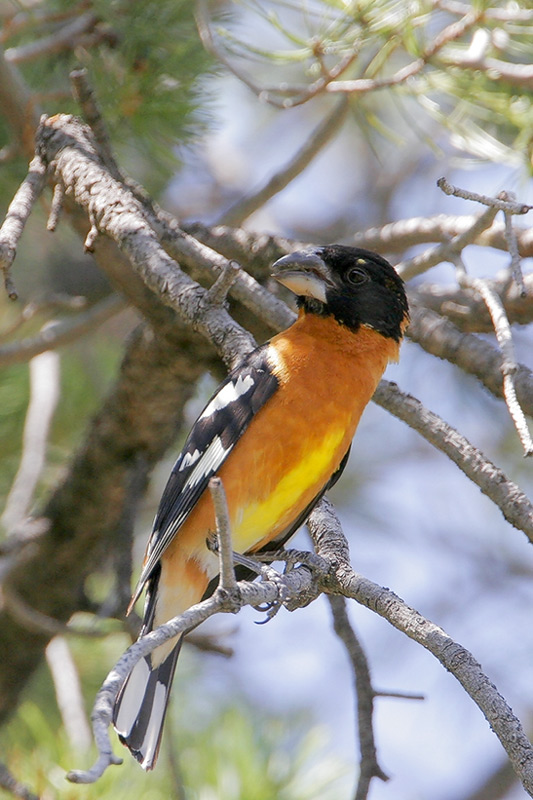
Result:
304,273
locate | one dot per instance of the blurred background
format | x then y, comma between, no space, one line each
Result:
203,122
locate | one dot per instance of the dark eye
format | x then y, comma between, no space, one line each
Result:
356,275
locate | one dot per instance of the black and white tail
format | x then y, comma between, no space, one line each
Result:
141,706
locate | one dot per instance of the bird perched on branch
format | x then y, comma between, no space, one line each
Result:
277,432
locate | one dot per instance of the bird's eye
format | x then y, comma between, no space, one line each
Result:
356,276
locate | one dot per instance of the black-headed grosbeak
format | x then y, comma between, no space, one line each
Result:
277,432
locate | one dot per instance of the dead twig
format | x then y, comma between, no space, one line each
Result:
369,767
17,215
504,336
227,580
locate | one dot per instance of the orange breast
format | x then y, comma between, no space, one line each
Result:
296,441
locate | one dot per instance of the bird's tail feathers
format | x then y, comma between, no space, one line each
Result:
140,708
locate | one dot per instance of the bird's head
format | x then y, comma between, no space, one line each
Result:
355,286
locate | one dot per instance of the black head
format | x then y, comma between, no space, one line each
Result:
356,286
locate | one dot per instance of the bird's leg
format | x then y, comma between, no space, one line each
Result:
292,558
238,558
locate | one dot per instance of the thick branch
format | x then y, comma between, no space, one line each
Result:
69,147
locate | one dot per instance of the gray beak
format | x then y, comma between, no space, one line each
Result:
304,273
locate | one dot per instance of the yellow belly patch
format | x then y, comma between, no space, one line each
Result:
290,496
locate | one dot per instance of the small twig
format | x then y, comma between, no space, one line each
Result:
512,246
173,760
369,767
9,152
48,303
498,203
37,622
16,218
207,643
505,340
318,139
62,39
218,292
92,236
507,496
56,334
35,17
56,207
227,580
85,97
13,786
399,695
447,251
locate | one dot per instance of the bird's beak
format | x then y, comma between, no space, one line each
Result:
304,273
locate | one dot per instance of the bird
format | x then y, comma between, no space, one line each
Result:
277,432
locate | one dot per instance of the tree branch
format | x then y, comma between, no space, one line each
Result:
331,545
62,39
364,691
504,336
475,356
512,502
13,786
223,601
140,417
17,215
70,149
44,395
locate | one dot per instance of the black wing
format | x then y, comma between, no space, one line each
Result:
212,438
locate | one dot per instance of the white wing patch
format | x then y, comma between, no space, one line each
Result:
209,463
189,459
228,394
